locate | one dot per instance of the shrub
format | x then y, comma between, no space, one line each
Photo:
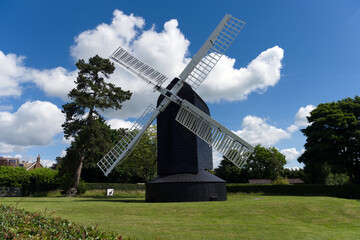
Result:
20,224
13,176
337,179
82,187
280,181
44,175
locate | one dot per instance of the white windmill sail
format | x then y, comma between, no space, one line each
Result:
137,67
216,135
128,142
212,50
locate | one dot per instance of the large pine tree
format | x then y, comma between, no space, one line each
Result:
84,122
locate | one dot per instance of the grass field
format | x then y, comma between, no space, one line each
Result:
241,217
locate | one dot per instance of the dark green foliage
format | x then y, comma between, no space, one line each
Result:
231,173
333,141
92,137
343,191
266,163
294,173
20,224
116,186
139,166
263,163
337,179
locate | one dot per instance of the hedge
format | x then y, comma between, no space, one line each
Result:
17,176
341,191
116,186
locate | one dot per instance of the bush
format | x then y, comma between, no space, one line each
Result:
280,181
82,187
337,179
44,175
20,224
13,176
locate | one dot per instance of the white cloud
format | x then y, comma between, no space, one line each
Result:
105,38
12,74
63,153
291,154
6,107
217,158
300,117
47,163
255,130
230,84
119,123
67,141
55,82
8,148
165,50
34,123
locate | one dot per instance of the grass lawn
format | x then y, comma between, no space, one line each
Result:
241,217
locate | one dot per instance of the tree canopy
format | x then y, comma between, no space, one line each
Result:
333,140
84,122
263,163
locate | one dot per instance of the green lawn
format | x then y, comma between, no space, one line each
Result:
241,217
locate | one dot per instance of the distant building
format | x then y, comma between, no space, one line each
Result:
260,181
35,164
12,162
268,181
295,181
15,162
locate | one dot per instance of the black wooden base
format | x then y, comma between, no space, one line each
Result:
186,187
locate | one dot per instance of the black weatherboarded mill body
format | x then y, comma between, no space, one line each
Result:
183,159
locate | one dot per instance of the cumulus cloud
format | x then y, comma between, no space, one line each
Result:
55,82
12,72
119,123
34,123
165,50
217,158
291,154
228,83
105,38
256,130
300,117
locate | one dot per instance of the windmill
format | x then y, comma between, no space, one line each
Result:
185,130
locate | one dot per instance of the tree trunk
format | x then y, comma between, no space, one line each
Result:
78,174
72,192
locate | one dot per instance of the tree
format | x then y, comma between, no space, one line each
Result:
139,166
333,139
83,120
263,163
231,173
266,163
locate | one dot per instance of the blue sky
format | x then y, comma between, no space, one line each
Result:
290,56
